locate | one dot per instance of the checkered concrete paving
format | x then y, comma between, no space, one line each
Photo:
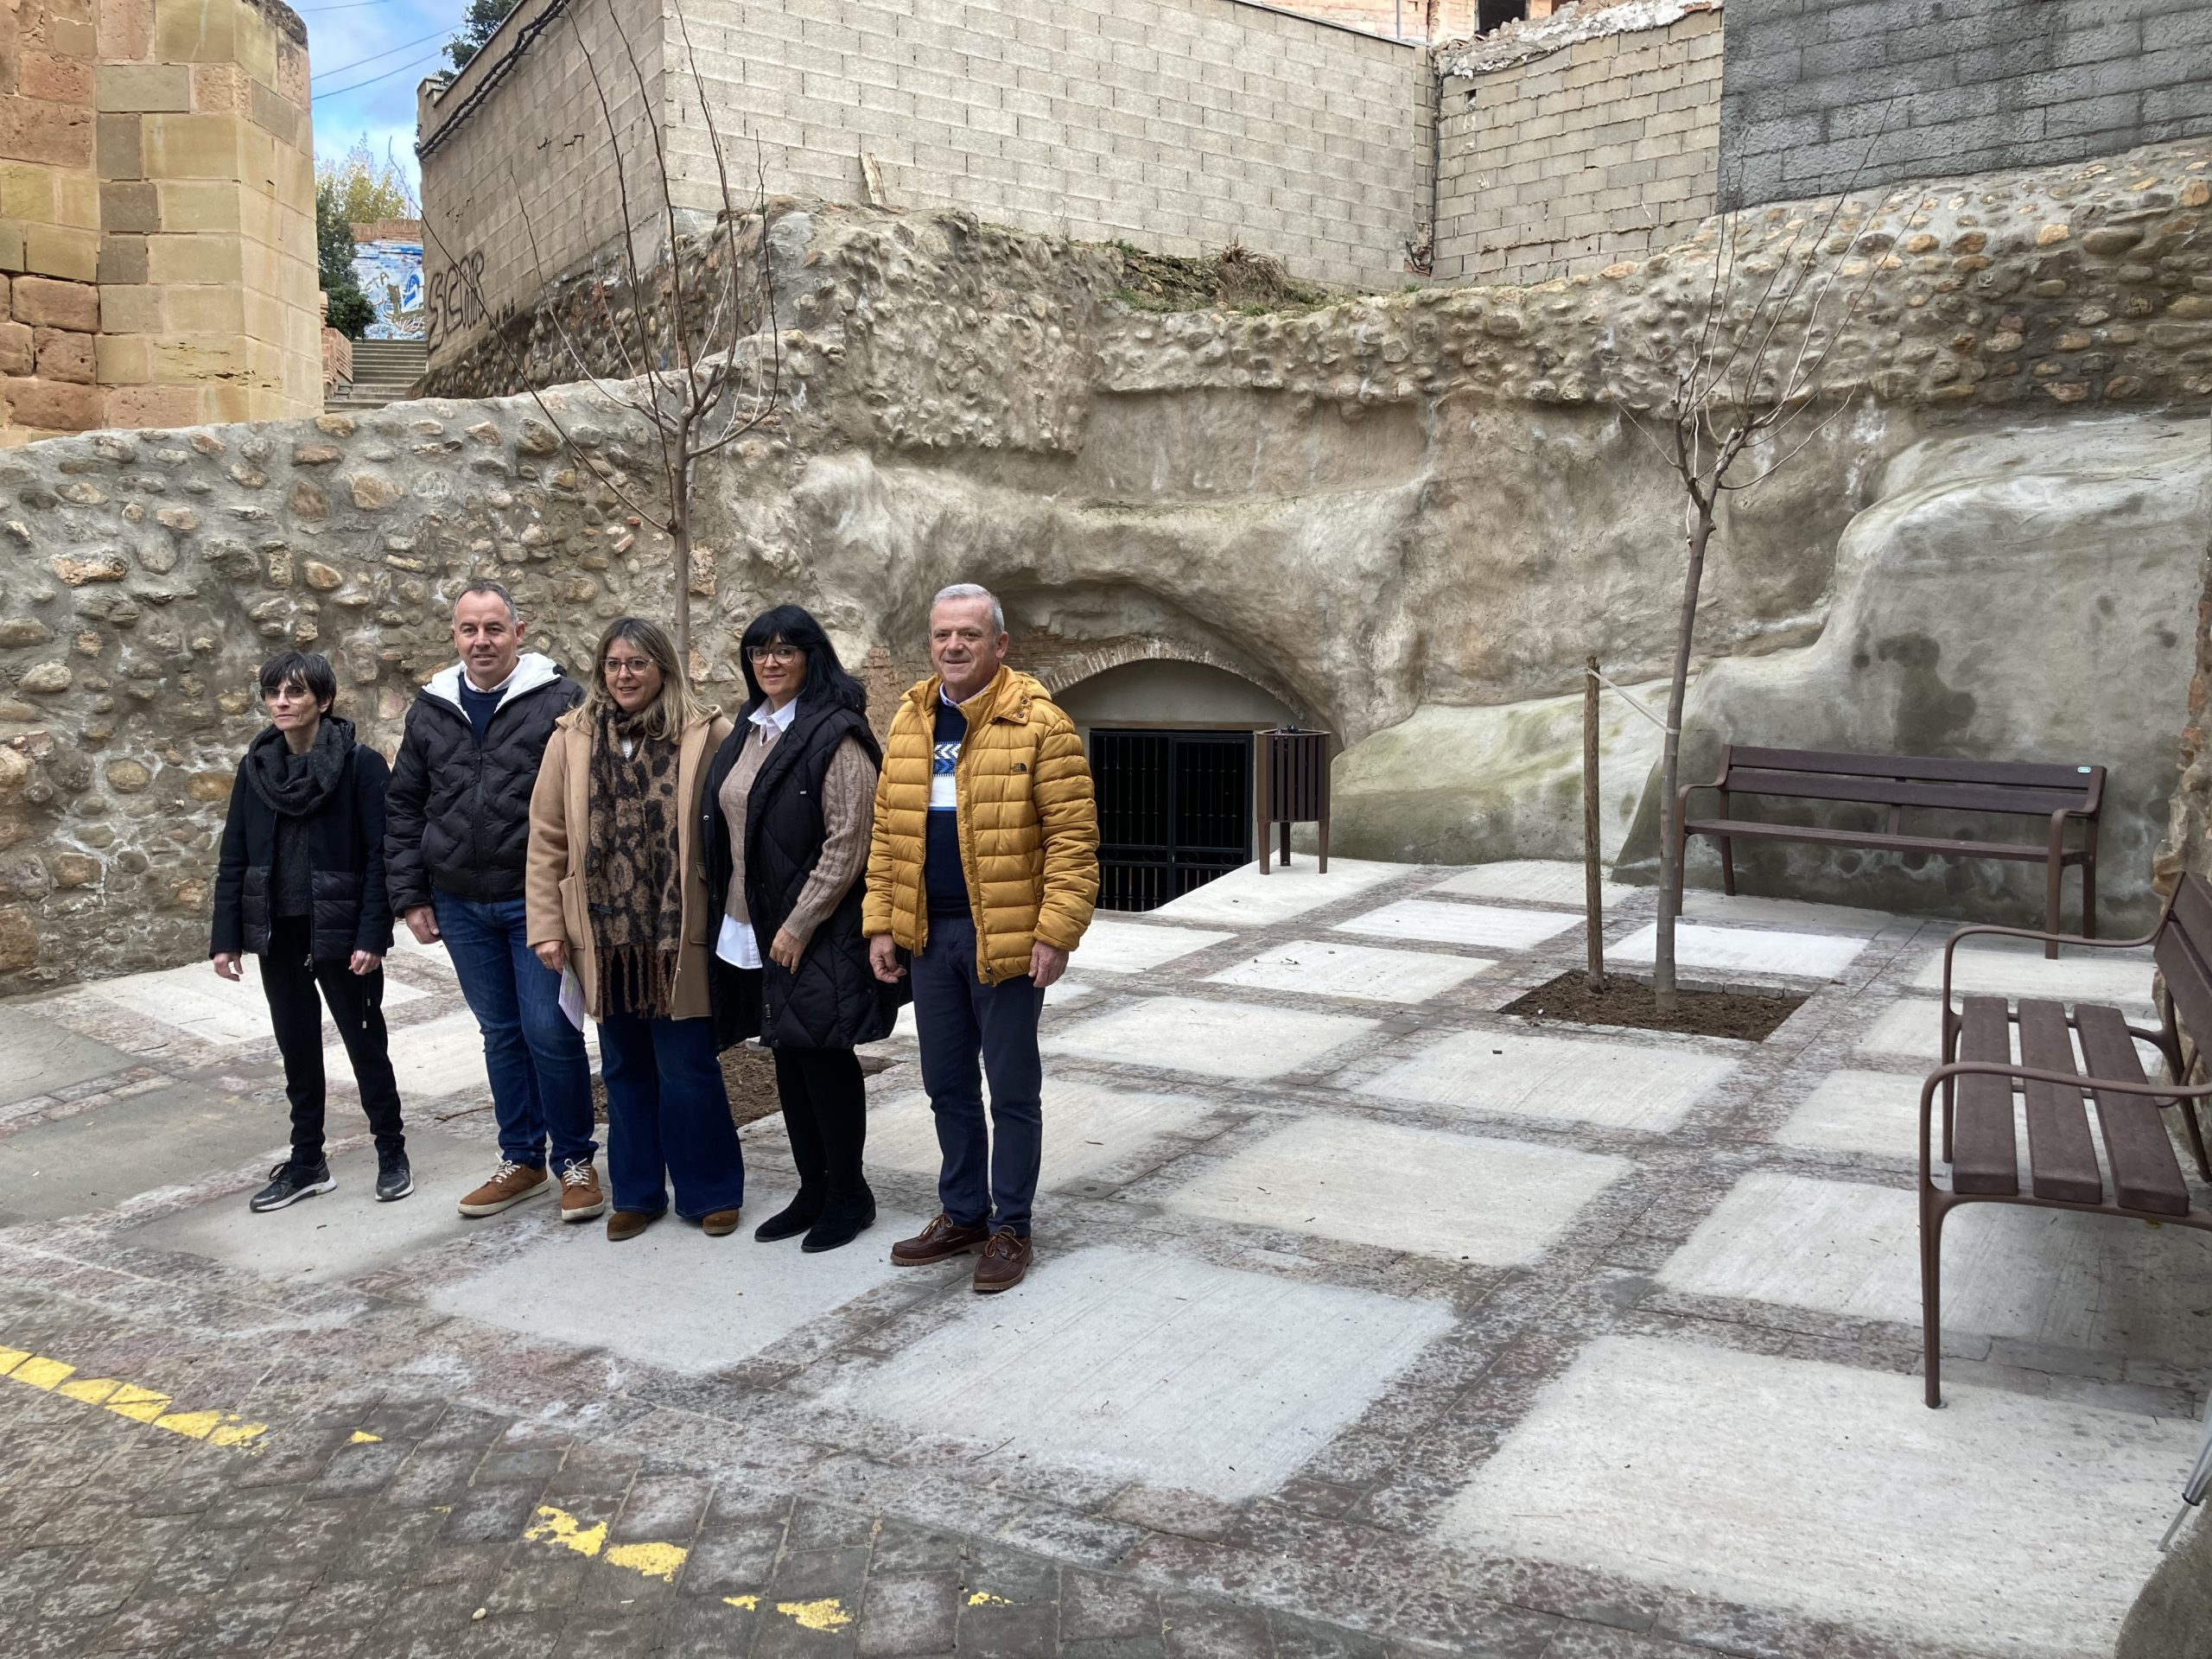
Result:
1366,1319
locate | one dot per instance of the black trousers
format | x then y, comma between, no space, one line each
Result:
291,980
825,1112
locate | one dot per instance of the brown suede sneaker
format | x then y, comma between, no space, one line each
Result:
1006,1259
581,1198
510,1185
721,1224
941,1239
628,1223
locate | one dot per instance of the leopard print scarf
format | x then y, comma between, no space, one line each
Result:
632,880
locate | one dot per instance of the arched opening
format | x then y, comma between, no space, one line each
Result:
1171,754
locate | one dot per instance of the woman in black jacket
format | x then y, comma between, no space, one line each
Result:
789,803
301,885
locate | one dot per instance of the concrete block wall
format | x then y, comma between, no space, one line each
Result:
1602,149
159,240
1178,125
1967,86
524,186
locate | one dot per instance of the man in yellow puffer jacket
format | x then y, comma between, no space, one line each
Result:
983,867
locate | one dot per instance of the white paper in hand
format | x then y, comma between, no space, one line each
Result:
572,997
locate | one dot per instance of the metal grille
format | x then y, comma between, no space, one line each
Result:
1174,811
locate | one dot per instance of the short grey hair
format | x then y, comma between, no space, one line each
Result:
499,589
970,590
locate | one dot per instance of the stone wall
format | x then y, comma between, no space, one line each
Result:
1414,513
1598,134
1970,86
1180,124
156,215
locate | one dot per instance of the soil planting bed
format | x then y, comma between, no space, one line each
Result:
1629,1002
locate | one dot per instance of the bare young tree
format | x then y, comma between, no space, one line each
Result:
702,362
1739,384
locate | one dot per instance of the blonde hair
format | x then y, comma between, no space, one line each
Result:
676,709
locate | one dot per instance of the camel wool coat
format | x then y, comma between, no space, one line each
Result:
1028,824
560,821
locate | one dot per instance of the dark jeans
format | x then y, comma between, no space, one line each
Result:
541,1082
959,1020
289,981
667,1109
825,1114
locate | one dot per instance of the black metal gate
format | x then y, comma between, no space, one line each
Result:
1174,811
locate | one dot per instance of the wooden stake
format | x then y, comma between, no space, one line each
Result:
1593,876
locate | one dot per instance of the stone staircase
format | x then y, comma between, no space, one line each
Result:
384,372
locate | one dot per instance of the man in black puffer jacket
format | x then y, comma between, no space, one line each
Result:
459,839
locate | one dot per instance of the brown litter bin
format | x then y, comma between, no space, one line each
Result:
1290,770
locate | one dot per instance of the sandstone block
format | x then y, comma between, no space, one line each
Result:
40,299
181,520
47,679
73,870
66,355
144,87
18,941
16,348
77,569
127,777
314,455
15,772
322,577
141,406
372,493
195,31
208,786
338,426
57,406
17,631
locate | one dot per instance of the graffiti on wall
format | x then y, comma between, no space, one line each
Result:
457,302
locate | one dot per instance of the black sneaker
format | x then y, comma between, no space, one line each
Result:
394,1179
289,1182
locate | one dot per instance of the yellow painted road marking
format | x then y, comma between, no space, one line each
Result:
147,1405
747,1603
362,1437
827,1614
985,1599
651,1561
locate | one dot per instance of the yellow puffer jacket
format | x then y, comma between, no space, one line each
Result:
1029,826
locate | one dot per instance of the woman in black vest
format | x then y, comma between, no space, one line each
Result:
789,804
300,883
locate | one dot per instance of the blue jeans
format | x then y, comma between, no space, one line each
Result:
960,1020
541,1082
667,1109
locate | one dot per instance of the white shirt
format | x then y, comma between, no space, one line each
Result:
736,944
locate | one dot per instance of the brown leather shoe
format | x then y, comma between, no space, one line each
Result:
510,1185
1006,1259
941,1239
581,1198
719,1223
628,1223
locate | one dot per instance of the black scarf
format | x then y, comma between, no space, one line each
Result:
300,794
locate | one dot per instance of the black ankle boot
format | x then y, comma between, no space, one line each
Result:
794,1218
844,1220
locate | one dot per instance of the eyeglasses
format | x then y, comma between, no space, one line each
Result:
781,656
627,667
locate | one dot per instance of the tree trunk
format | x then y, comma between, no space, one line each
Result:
1665,991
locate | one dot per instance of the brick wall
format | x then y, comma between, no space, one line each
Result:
1177,125
1968,86
1600,150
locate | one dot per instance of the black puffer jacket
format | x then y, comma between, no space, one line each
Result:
835,999
345,851
460,808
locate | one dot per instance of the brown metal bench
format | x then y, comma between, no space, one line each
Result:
2138,1177
1918,781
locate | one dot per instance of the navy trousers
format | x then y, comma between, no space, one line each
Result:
969,1031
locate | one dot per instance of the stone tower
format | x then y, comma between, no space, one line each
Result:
157,261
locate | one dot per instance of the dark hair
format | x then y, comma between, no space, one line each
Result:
497,590
826,682
308,668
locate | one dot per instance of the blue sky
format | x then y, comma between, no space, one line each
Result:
365,56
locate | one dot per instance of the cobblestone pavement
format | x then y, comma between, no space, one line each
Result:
1367,1319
